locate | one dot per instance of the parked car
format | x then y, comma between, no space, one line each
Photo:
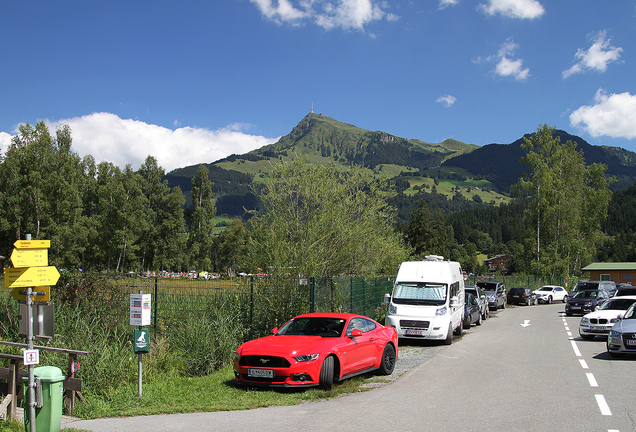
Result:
608,286
472,311
625,291
622,336
482,299
600,322
583,302
317,349
496,292
551,293
522,296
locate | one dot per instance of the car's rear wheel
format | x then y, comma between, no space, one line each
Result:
325,381
388,360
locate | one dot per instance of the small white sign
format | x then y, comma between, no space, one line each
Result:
31,357
139,309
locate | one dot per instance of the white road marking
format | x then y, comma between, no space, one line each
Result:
600,400
591,379
575,348
526,323
583,364
570,334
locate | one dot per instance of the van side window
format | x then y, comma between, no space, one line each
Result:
454,289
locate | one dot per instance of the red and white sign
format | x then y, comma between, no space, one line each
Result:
31,357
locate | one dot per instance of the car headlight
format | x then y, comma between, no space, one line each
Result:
585,320
588,304
441,311
392,309
615,334
306,358
615,320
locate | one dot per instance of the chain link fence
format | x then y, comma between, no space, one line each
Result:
255,303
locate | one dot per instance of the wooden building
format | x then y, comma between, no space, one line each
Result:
619,272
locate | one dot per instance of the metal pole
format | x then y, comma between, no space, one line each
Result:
141,291
29,305
156,310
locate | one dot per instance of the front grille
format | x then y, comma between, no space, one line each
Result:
264,361
630,337
598,321
414,324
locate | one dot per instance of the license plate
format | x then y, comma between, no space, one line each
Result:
576,307
630,342
413,332
597,328
515,296
261,373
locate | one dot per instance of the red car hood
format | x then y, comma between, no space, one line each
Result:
285,346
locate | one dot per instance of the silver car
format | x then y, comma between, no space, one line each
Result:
622,336
482,299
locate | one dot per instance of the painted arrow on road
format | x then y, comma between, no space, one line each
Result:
526,323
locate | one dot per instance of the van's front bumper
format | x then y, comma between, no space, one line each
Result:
413,327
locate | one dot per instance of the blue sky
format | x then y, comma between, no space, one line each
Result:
191,82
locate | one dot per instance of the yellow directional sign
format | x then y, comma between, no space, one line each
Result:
30,257
15,293
30,276
32,244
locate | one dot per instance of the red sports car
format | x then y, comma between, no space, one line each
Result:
317,349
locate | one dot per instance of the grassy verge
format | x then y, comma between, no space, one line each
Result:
214,392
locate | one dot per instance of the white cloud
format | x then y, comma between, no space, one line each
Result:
345,14
507,66
445,3
596,58
5,140
524,9
447,100
109,138
613,115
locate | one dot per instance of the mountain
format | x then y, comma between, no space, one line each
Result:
499,163
450,175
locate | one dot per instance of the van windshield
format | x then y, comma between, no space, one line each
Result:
420,293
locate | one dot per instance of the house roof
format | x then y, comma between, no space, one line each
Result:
611,266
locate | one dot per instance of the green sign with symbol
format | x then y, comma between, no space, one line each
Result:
141,340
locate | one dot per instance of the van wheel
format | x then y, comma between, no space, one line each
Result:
460,328
449,335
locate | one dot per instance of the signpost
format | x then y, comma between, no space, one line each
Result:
30,260
140,316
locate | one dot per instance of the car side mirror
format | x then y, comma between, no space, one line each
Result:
274,330
356,332
387,298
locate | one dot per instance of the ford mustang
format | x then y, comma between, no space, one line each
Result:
317,349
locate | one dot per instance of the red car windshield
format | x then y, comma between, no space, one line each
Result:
314,326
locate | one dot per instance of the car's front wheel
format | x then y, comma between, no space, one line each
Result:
565,299
586,337
613,354
388,360
550,300
326,374
479,320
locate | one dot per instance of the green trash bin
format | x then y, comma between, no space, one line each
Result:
48,417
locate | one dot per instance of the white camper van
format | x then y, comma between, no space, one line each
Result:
427,300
